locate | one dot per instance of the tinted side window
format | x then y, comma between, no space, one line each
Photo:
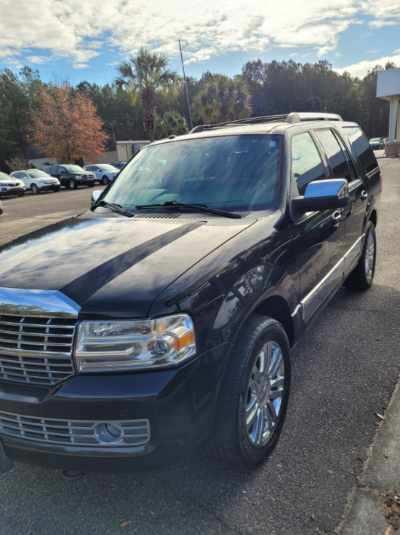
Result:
361,149
306,161
336,157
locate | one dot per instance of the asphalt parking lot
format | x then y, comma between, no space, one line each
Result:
344,371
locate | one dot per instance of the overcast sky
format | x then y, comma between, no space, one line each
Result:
85,39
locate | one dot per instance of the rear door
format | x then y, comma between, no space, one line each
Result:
320,233
369,175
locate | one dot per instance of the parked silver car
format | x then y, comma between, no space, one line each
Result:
37,181
105,173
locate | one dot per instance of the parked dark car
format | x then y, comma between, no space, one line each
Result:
377,143
72,176
119,164
164,317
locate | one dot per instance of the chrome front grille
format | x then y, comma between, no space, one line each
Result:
36,350
73,432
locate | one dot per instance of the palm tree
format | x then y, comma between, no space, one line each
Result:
147,74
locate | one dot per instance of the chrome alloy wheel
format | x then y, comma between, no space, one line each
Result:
370,257
265,393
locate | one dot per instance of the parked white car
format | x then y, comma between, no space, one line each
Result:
10,186
104,172
37,181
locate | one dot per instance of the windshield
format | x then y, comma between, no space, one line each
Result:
37,172
74,168
229,172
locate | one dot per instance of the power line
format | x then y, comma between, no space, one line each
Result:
187,96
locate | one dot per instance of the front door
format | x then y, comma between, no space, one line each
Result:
320,234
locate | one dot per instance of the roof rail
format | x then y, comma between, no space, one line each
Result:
294,117
238,122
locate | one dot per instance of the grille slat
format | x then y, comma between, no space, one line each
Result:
30,343
71,432
50,335
36,350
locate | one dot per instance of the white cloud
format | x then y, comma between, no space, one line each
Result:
383,12
37,60
362,68
78,28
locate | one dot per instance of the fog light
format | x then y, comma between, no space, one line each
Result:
108,433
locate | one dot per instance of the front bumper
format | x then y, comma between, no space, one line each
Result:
179,405
11,191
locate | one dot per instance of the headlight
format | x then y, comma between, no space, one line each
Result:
133,344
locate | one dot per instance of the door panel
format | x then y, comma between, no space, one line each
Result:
320,271
320,248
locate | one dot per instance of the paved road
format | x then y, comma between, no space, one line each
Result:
25,214
344,372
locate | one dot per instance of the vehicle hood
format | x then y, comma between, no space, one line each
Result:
113,266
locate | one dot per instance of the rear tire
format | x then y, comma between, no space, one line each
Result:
105,181
253,401
362,277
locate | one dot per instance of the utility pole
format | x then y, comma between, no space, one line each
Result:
187,96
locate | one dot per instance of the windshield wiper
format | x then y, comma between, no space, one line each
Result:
114,207
190,207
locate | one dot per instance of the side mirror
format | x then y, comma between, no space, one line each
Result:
95,197
323,195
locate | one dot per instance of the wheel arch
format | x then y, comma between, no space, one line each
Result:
277,308
373,217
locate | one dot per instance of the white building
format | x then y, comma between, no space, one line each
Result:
127,149
388,88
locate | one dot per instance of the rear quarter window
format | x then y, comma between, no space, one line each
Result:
361,149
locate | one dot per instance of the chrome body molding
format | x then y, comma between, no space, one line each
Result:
372,173
39,303
329,283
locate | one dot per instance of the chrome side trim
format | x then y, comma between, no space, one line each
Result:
373,172
40,303
296,311
306,304
353,254
313,300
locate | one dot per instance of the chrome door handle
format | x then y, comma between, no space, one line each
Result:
337,215
364,195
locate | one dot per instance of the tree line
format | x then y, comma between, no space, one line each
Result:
147,101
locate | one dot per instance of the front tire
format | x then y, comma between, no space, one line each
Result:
105,181
252,404
34,189
362,277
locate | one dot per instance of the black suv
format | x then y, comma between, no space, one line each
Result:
164,316
72,176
